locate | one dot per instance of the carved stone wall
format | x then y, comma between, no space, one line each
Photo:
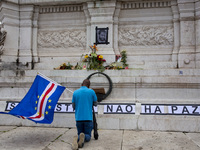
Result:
61,35
62,39
61,26
164,31
146,36
146,31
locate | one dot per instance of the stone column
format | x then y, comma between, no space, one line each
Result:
34,36
102,13
186,56
176,31
197,18
26,31
9,15
88,19
116,22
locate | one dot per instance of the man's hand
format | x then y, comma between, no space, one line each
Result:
95,103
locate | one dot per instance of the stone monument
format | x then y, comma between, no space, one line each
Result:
159,91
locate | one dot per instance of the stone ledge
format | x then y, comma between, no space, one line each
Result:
131,122
119,73
140,78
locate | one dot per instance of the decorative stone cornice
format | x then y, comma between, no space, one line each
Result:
187,19
60,9
117,12
102,12
26,15
9,14
197,10
35,17
139,5
186,9
175,11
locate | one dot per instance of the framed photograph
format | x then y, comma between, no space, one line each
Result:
101,36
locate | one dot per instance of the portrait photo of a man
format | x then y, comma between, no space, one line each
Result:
102,35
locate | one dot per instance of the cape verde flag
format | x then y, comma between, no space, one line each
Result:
39,103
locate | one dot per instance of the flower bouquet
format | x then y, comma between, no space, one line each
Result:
66,66
93,60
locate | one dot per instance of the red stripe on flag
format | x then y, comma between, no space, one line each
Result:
42,102
22,117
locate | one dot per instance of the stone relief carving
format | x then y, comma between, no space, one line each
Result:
2,40
146,36
62,39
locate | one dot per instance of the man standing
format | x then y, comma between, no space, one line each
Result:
82,101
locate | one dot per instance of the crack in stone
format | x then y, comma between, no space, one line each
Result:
46,148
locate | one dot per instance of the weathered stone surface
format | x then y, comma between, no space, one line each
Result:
29,138
162,43
194,137
156,141
23,138
7,128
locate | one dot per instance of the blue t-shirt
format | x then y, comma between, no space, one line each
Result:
83,99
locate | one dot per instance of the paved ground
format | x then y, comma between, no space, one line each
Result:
43,138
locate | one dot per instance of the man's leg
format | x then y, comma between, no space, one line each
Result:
88,126
75,143
81,135
80,127
81,140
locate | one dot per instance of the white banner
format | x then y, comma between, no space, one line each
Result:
170,109
129,108
153,109
184,109
60,107
119,108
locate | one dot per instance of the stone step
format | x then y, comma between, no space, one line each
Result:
125,78
112,73
153,65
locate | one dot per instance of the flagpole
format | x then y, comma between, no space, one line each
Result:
52,81
69,90
47,78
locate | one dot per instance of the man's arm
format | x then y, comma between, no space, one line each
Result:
73,106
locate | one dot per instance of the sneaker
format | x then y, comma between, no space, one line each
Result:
81,140
74,143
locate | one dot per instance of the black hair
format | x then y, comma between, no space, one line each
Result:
86,82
